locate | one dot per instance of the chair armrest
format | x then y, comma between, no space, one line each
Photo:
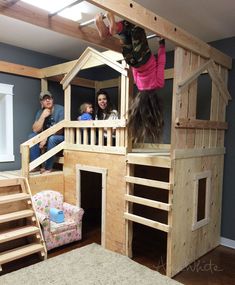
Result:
43,220
73,212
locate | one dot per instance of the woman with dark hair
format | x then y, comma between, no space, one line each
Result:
145,114
105,110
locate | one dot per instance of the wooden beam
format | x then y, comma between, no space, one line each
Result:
8,3
198,152
57,69
194,75
23,70
139,15
200,124
18,69
78,81
219,82
39,17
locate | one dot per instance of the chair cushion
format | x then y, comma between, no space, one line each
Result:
62,227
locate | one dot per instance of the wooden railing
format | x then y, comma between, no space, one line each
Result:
108,136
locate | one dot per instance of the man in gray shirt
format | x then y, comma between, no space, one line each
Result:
47,116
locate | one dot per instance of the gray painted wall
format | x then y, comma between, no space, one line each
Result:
228,210
26,103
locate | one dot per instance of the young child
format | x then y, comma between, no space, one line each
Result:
86,111
145,114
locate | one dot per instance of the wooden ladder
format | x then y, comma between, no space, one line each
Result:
145,160
20,233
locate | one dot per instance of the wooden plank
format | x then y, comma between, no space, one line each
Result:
151,160
192,97
52,130
25,12
192,76
20,252
10,182
16,215
18,233
78,66
14,197
46,155
199,124
63,68
97,148
149,182
148,202
219,81
120,123
147,19
25,159
18,69
129,209
147,222
58,69
197,152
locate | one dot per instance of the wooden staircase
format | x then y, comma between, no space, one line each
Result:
156,161
20,233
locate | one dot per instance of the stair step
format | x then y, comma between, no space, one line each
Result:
14,197
10,255
13,234
16,215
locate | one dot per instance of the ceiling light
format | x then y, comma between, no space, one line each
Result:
73,13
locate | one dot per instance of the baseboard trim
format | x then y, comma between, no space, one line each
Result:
227,242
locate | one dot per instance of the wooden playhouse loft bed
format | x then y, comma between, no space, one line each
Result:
193,160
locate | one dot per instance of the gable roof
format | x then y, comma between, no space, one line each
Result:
91,58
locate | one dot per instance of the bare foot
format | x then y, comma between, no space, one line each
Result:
42,170
112,23
35,169
46,171
101,27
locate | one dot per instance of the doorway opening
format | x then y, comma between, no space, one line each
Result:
91,196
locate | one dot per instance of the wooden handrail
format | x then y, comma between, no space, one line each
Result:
72,129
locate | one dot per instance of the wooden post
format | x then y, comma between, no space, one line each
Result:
25,158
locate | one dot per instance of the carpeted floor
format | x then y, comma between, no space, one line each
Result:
90,264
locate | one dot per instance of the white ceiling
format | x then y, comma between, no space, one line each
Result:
208,20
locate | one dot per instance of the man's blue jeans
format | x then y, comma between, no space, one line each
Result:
52,141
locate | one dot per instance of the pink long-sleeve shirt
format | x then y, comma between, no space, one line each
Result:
151,74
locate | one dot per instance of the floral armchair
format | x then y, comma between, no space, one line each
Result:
57,234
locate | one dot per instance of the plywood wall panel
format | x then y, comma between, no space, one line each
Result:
52,181
188,245
115,190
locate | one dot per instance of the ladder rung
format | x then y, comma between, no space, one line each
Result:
148,202
20,252
16,215
155,159
149,182
14,197
13,234
147,222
